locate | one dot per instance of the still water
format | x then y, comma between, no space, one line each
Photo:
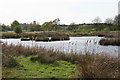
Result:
75,45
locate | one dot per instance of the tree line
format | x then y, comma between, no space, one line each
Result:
54,25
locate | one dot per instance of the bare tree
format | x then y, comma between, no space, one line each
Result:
97,20
117,20
109,21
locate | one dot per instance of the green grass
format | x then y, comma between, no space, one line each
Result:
29,69
25,38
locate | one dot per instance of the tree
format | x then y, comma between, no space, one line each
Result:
47,26
109,21
52,25
14,24
37,27
31,27
18,29
56,21
4,27
117,20
97,20
34,26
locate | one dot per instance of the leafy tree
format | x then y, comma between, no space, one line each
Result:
47,26
18,29
14,24
97,20
52,25
4,27
56,21
31,27
37,27
34,26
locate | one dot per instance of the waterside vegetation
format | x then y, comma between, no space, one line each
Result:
19,59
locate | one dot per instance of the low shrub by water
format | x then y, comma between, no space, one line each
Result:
25,39
110,41
41,39
9,61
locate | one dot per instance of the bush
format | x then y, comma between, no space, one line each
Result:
42,39
98,66
9,61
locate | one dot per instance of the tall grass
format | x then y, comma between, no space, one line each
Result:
98,66
88,65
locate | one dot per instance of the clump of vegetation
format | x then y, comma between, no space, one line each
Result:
60,38
25,39
9,61
98,66
110,41
41,39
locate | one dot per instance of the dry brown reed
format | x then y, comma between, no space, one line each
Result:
98,66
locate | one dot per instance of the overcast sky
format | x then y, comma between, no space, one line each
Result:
78,11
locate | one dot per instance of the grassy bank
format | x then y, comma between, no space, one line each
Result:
20,60
30,69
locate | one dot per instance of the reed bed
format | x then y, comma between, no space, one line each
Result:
88,65
110,41
31,34
108,34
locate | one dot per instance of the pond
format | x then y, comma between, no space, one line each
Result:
75,44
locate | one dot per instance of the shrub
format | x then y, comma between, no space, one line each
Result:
98,66
9,61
